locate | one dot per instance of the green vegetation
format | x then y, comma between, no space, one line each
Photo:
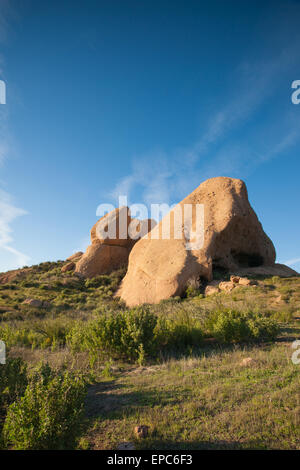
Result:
231,326
176,366
48,415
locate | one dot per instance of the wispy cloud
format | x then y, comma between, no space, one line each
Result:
8,210
292,262
171,176
8,213
150,173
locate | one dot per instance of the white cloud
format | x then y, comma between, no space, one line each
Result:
293,261
8,213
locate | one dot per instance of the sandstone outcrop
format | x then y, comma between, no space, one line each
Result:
68,267
232,240
227,286
15,274
112,238
100,259
211,288
75,257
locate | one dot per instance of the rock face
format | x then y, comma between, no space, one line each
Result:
233,240
112,240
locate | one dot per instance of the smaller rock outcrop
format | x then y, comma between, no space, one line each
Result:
227,286
112,239
75,257
15,274
68,267
212,288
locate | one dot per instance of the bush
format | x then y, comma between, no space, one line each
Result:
134,335
42,334
128,335
263,329
192,291
49,413
13,382
231,326
98,281
179,332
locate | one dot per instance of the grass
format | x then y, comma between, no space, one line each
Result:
193,393
210,402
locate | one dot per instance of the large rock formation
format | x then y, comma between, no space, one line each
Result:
111,242
232,239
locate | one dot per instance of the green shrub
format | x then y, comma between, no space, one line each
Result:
48,415
98,281
42,334
127,335
13,382
179,332
231,326
192,291
263,329
23,336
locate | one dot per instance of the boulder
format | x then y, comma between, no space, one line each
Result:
75,257
232,238
100,259
112,238
68,267
227,286
211,289
244,281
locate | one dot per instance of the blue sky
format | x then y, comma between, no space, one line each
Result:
144,98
